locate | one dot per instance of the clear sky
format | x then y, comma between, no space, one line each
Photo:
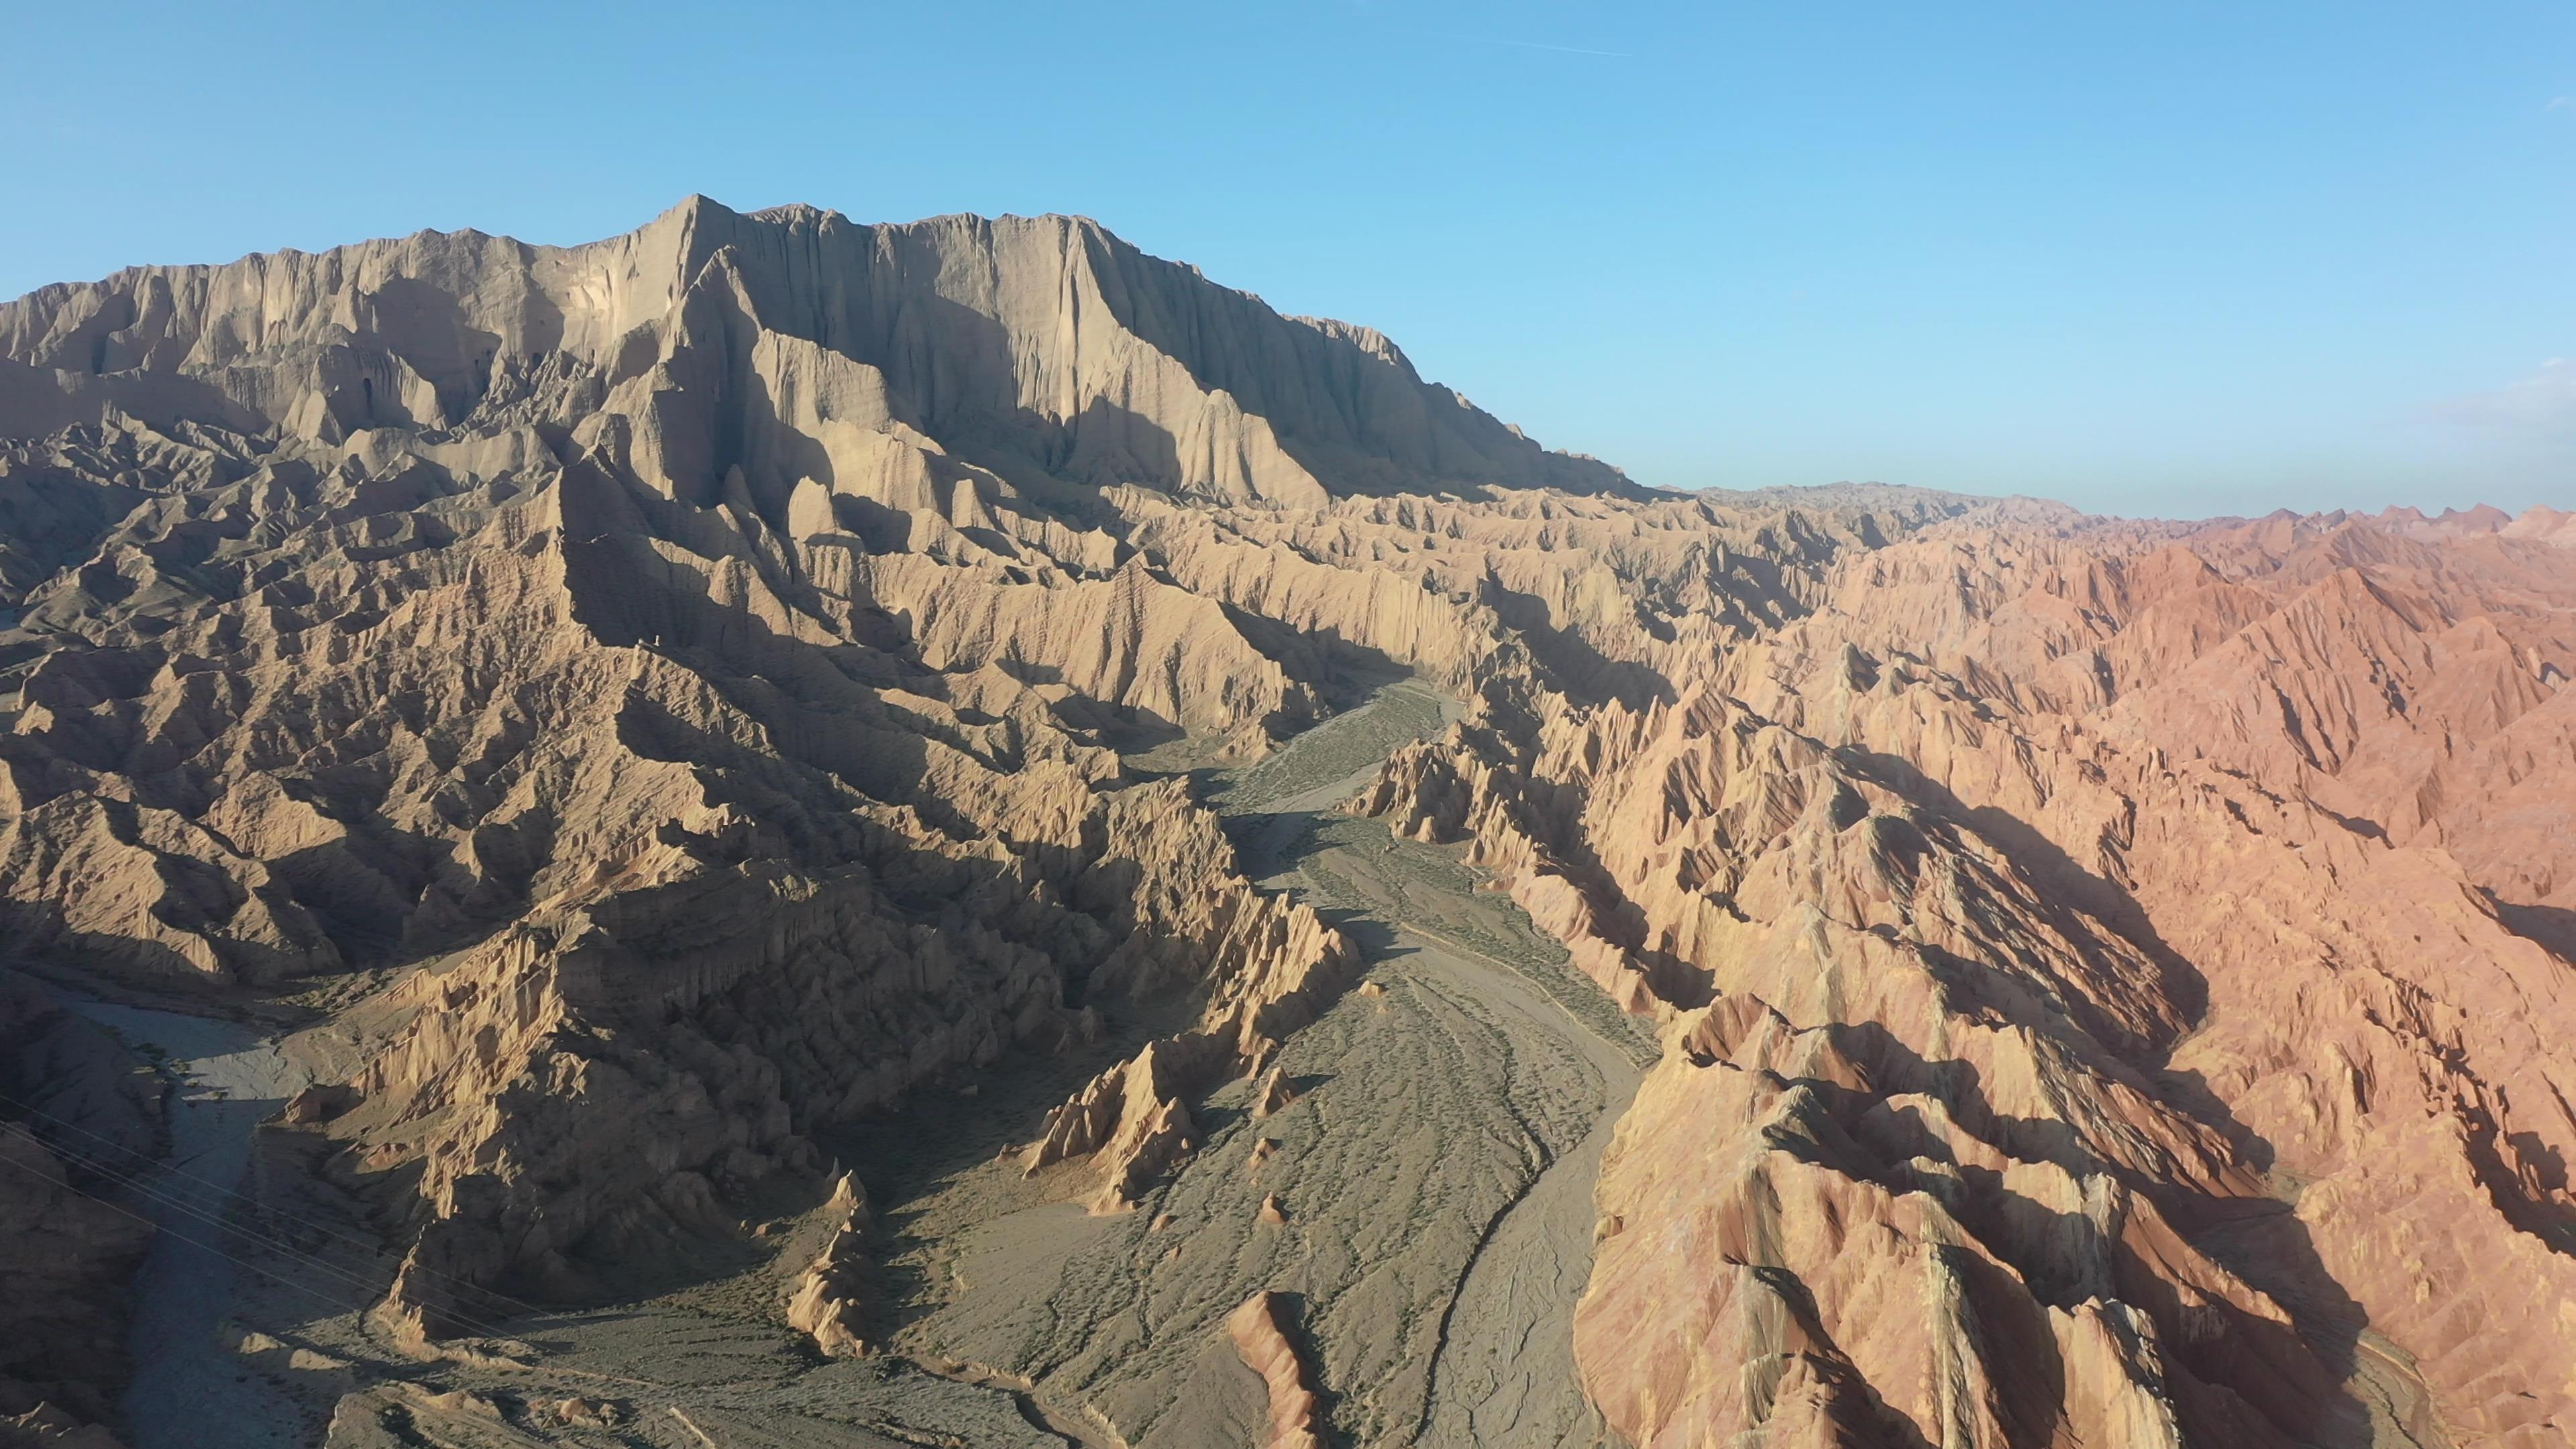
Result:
2173,258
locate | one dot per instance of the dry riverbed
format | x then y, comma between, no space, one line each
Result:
1436,1171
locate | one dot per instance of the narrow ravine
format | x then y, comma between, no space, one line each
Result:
1437,1172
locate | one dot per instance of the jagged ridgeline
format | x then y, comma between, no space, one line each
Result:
916,487
800,346
976,800
717,655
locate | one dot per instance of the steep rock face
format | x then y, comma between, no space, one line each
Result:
615,616
1130,1120
1263,966
703,655
278,690
828,1306
1024,341
589,1084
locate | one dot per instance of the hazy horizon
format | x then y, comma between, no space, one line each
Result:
2169,262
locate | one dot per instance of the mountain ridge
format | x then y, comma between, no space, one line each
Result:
957,795
1356,398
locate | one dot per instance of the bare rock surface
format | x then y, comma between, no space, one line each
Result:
829,1305
1260,1332
2053,940
537,769
1432,1249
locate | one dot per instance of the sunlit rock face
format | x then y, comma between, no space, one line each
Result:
2116,989
2113,979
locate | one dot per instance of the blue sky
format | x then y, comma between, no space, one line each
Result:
2173,259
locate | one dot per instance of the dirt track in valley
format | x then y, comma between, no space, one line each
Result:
1433,1250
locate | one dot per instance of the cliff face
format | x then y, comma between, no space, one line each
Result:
2112,978
1022,346
363,595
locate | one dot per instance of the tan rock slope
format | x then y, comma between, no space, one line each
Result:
2113,979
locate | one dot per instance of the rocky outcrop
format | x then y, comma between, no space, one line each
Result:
46,1427
1259,1331
828,1305
399,1415
1271,967
2111,975
591,1086
66,1256
1261,966
1272,1094
625,463
1129,1121
1874,1266
1102,363
713,673
2002,868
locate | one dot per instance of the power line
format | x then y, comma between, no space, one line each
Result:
223,1222
296,1255
171,1202
293,1253
374,1250
337,1306
485,1327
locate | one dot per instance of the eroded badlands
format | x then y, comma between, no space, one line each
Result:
778,831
